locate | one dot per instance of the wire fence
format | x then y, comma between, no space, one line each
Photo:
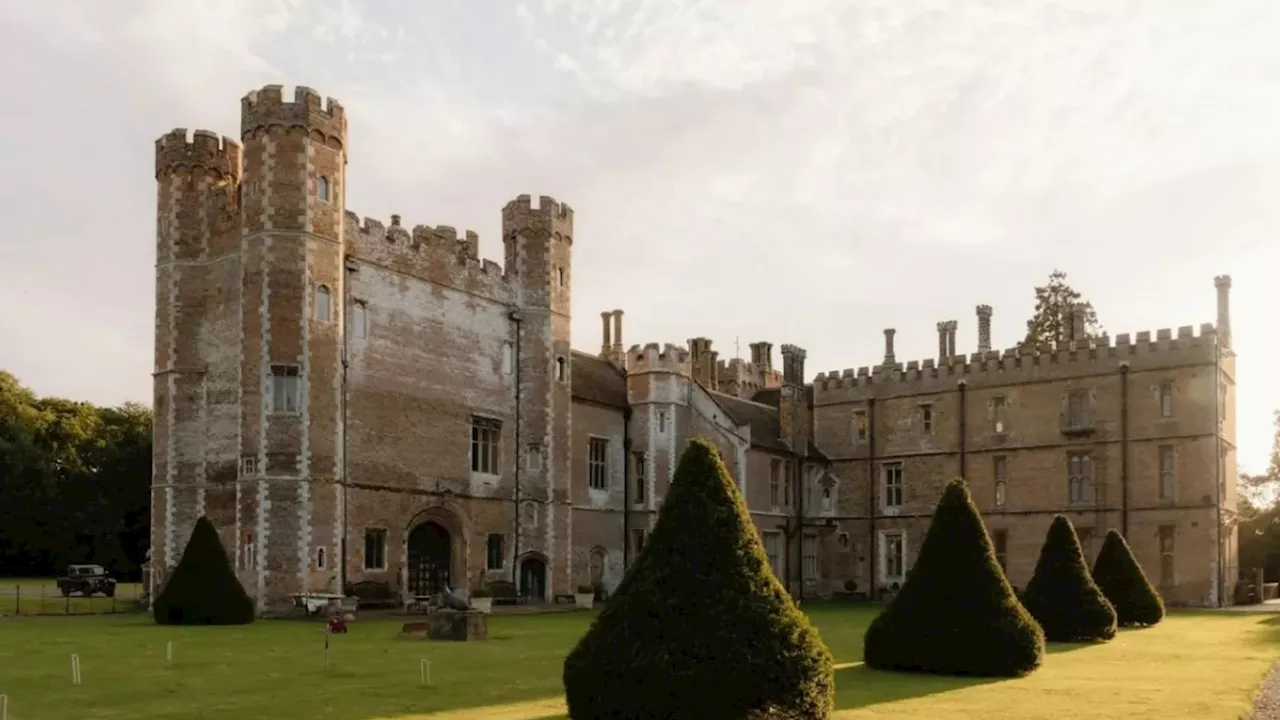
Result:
38,596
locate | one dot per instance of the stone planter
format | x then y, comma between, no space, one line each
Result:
584,600
482,604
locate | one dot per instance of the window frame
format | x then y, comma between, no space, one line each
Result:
359,319
322,303
1168,479
275,387
597,463
324,189
860,426
1166,400
1082,479
484,452
1000,479
895,491
886,536
809,560
641,477
379,549
773,555
495,547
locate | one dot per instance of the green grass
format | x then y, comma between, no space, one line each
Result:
40,596
1195,665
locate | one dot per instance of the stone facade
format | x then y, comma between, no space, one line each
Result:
354,401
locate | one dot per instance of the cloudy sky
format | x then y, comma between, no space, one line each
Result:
804,172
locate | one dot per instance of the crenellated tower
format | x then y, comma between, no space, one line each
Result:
538,250
288,524
197,182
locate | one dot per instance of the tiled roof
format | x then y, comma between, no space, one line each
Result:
597,380
762,419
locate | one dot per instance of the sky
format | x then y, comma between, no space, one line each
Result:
809,172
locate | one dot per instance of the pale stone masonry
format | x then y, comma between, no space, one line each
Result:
350,401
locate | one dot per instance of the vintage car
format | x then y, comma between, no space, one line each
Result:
87,580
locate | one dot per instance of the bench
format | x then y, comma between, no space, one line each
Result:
504,593
567,597
373,593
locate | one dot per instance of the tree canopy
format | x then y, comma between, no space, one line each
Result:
1056,301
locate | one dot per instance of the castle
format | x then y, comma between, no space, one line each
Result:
351,401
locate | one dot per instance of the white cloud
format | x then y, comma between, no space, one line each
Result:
821,169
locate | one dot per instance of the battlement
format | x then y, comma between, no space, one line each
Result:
261,109
669,358
554,216
431,253
201,150
1027,363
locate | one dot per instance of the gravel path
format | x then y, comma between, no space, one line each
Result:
1267,705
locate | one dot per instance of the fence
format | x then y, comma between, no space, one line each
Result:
42,597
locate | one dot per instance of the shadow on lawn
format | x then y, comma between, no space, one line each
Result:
860,686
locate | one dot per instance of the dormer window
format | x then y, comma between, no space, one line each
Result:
322,189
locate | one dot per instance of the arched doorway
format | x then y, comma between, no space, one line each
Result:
430,559
533,578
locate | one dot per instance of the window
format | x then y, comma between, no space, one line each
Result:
1000,542
248,553
1166,473
359,319
1000,416
926,419
773,550
598,463
1078,409
637,540
375,549
844,541
560,276
809,557
562,369
319,558
999,466
322,189
324,306
286,391
811,492
641,478
891,477
827,504
248,466
494,551
507,353
662,421
1079,479
533,458
1166,555
893,565
1166,400
860,425
775,482
486,435
531,515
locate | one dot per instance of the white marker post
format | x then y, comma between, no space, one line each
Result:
424,671
326,647
168,652
4,707
75,669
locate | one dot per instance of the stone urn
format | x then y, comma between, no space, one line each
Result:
585,598
481,600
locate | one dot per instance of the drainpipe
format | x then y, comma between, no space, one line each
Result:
798,474
515,317
1124,450
963,385
351,268
871,497
626,487
1217,460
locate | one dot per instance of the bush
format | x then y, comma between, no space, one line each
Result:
203,589
1121,579
1062,596
955,614
700,627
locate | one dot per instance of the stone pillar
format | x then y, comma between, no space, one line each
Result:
1223,284
984,328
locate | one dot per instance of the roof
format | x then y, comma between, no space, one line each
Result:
597,380
761,418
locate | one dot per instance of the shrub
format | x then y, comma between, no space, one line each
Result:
955,614
700,627
203,589
1062,596
1121,579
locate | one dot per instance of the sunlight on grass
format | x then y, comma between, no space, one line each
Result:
1201,666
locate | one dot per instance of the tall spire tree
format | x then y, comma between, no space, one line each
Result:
1055,303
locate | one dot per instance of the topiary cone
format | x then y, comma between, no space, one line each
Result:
1121,579
1062,596
700,627
203,589
956,613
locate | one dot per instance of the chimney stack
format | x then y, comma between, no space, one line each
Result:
888,346
617,331
984,328
1077,323
606,346
762,356
951,337
1223,284
942,341
793,365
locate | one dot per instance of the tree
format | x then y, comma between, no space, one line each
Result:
700,627
956,613
203,589
1055,304
1062,596
1121,579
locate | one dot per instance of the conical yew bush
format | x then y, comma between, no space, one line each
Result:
203,589
956,613
1121,579
700,627
1062,596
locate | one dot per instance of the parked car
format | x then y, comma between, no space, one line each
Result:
87,580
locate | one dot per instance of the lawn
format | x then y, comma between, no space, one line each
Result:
1200,665
40,596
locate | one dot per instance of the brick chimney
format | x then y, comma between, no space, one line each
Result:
791,400
984,328
942,341
705,363
762,356
606,345
1223,284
